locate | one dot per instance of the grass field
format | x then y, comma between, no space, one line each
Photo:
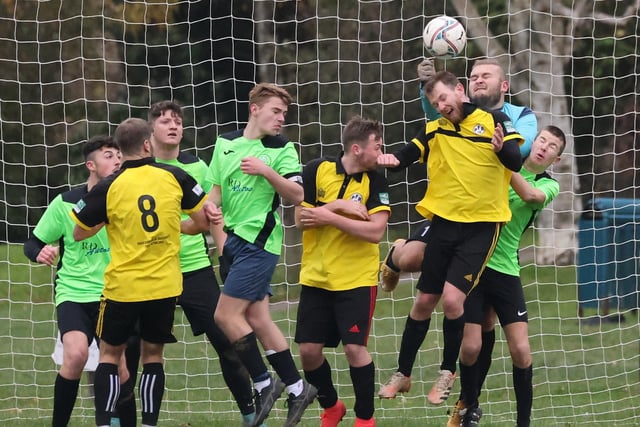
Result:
585,373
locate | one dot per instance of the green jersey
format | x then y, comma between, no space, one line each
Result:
249,202
505,256
80,275
194,251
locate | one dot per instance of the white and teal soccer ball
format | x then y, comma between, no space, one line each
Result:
444,37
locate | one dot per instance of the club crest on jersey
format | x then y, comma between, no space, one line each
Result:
265,159
321,192
478,129
356,197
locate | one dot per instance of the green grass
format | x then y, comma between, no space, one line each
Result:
585,374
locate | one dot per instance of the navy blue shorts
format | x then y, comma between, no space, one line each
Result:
329,317
78,316
250,269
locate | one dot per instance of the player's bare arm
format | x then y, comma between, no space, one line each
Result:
348,208
370,231
201,220
48,255
525,190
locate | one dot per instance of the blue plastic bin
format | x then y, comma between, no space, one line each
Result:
609,255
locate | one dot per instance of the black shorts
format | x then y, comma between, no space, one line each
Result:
78,316
117,321
329,317
200,295
501,291
456,252
421,233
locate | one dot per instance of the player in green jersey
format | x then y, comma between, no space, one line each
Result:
499,290
200,291
80,270
252,168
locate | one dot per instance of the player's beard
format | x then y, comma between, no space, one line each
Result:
486,102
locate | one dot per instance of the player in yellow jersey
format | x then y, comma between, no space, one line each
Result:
141,206
343,216
487,87
470,154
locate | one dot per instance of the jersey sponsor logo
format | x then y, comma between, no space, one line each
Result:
478,129
237,186
197,190
384,198
79,206
356,197
92,248
508,127
159,239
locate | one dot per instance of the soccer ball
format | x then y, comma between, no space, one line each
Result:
444,37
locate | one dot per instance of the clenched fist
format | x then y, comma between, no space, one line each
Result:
426,70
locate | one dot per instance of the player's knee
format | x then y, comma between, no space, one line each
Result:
357,355
469,351
219,318
311,356
424,304
452,308
409,256
75,358
521,354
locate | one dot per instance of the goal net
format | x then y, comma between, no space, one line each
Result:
73,70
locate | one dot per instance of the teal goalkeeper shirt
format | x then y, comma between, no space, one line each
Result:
194,251
249,202
80,275
505,256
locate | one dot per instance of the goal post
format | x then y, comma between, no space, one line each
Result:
73,70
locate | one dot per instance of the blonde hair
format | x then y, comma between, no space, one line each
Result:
263,91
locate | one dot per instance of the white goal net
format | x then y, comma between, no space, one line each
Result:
70,70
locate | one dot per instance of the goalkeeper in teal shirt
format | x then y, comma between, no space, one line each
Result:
80,274
499,290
